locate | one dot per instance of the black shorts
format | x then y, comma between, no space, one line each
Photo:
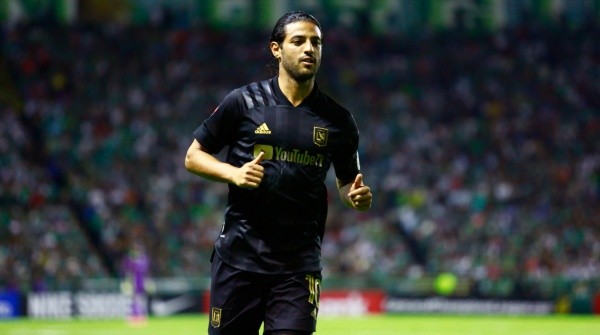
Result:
240,301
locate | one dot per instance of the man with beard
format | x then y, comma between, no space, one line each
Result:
282,136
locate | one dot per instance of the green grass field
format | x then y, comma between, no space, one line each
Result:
371,325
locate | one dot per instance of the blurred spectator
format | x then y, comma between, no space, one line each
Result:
483,151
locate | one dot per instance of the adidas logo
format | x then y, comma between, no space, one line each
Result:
262,129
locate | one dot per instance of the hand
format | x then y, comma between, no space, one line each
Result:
359,194
250,174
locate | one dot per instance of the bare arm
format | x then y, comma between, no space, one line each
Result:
356,194
198,161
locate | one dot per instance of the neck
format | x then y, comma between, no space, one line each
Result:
295,91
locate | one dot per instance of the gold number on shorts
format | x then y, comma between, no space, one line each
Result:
314,288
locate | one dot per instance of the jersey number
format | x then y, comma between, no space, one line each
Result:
314,287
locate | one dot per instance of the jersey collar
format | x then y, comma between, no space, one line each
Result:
311,98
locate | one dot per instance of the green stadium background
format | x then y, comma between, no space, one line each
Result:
60,247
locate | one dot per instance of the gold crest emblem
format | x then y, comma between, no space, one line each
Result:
320,136
215,317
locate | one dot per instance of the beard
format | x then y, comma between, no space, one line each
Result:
297,71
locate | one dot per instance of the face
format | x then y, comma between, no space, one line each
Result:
299,54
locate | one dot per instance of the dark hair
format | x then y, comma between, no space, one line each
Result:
278,33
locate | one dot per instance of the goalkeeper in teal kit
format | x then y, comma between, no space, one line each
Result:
282,134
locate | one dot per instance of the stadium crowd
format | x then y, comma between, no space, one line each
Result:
482,150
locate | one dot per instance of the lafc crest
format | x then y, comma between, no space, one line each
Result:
320,136
215,317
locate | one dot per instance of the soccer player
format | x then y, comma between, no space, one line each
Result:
282,136
136,266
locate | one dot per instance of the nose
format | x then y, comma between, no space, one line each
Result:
309,47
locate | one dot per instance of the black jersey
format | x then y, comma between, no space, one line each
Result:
278,227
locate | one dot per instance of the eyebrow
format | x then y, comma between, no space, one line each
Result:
305,36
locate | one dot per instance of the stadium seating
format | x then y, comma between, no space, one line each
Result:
482,152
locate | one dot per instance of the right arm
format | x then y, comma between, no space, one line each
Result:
200,162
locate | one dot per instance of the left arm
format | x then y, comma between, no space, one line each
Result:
355,194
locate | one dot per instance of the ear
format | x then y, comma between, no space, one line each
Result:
275,50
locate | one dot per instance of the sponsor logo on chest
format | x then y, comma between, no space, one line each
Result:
320,136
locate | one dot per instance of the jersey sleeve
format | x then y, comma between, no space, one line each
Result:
219,129
345,160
